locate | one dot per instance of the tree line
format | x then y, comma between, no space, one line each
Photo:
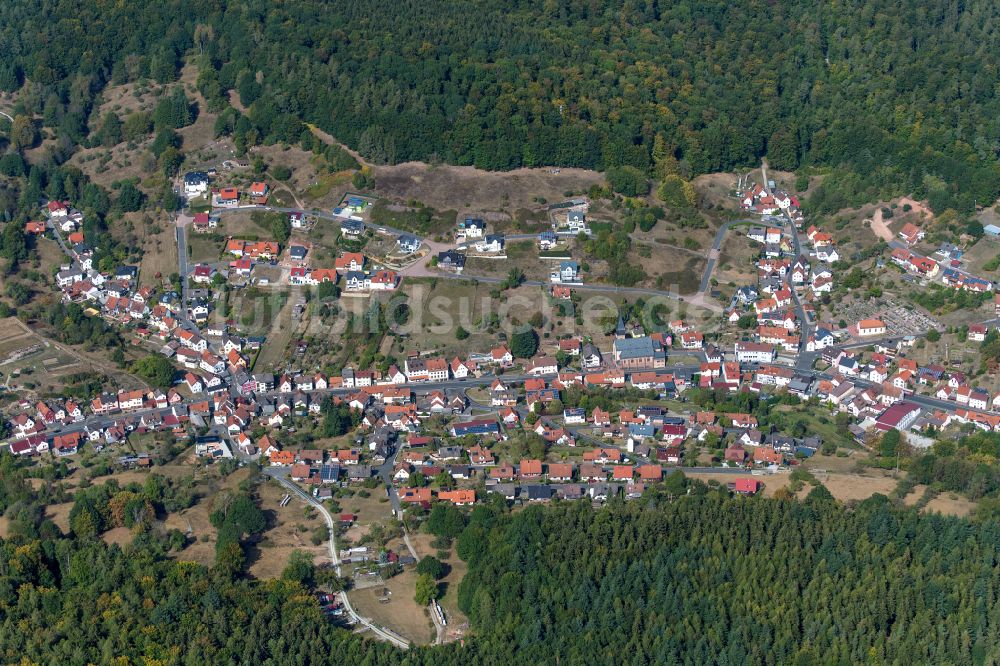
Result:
896,96
688,574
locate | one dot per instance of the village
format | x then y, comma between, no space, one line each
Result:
861,368
578,417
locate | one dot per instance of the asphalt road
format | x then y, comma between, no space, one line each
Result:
182,268
452,276
59,239
706,277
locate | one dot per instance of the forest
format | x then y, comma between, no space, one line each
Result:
717,579
894,96
686,575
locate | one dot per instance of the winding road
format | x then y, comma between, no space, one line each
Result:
385,634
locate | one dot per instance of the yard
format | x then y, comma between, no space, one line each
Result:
397,610
771,482
421,220
457,621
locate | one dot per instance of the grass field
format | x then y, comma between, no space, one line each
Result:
195,522
449,584
279,330
13,337
848,487
735,266
950,505
203,248
290,529
684,279
158,240
401,613
59,514
423,221
328,189
982,256
372,509
50,256
470,189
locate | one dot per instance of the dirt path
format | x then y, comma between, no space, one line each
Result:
94,363
298,202
881,228
328,138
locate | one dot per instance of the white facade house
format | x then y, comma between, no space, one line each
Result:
753,352
195,183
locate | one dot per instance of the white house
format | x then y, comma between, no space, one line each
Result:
753,352
408,244
576,222
195,183
568,271
492,243
472,227
827,253
870,327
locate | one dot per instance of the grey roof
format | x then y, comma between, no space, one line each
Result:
537,492
628,348
359,471
408,240
451,257
505,489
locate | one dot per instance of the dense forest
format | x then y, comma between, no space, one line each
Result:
899,95
713,579
687,575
